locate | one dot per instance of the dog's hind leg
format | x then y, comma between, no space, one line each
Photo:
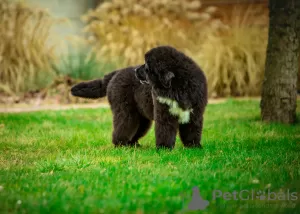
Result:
126,124
144,125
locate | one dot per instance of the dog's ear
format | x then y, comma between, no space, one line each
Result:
166,79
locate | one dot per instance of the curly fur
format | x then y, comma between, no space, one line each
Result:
169,88
131,103
179,90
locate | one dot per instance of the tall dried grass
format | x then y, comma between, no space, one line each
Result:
231,51
233,56
125,30
25,55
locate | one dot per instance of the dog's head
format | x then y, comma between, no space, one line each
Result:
159,67
141,73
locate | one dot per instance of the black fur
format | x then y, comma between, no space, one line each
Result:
130,101
174,75
133,96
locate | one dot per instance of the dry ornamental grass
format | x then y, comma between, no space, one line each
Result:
231,51
25,55
125,30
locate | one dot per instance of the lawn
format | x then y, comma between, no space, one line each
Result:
64,162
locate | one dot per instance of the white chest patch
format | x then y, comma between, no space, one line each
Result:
175,110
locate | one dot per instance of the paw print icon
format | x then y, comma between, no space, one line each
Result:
197,202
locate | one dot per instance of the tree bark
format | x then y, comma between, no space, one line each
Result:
279,91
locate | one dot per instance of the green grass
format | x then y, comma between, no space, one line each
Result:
64,162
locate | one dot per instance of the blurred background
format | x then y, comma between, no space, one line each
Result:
47,46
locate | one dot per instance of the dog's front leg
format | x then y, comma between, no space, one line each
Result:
166,126
165,134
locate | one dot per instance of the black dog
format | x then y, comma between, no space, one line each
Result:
169,88
179,91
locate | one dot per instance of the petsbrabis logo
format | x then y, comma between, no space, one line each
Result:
246,195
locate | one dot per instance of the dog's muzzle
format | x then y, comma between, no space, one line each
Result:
139,77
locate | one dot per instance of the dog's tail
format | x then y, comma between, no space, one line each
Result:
92,89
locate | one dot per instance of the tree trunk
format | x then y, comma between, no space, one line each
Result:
279,91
